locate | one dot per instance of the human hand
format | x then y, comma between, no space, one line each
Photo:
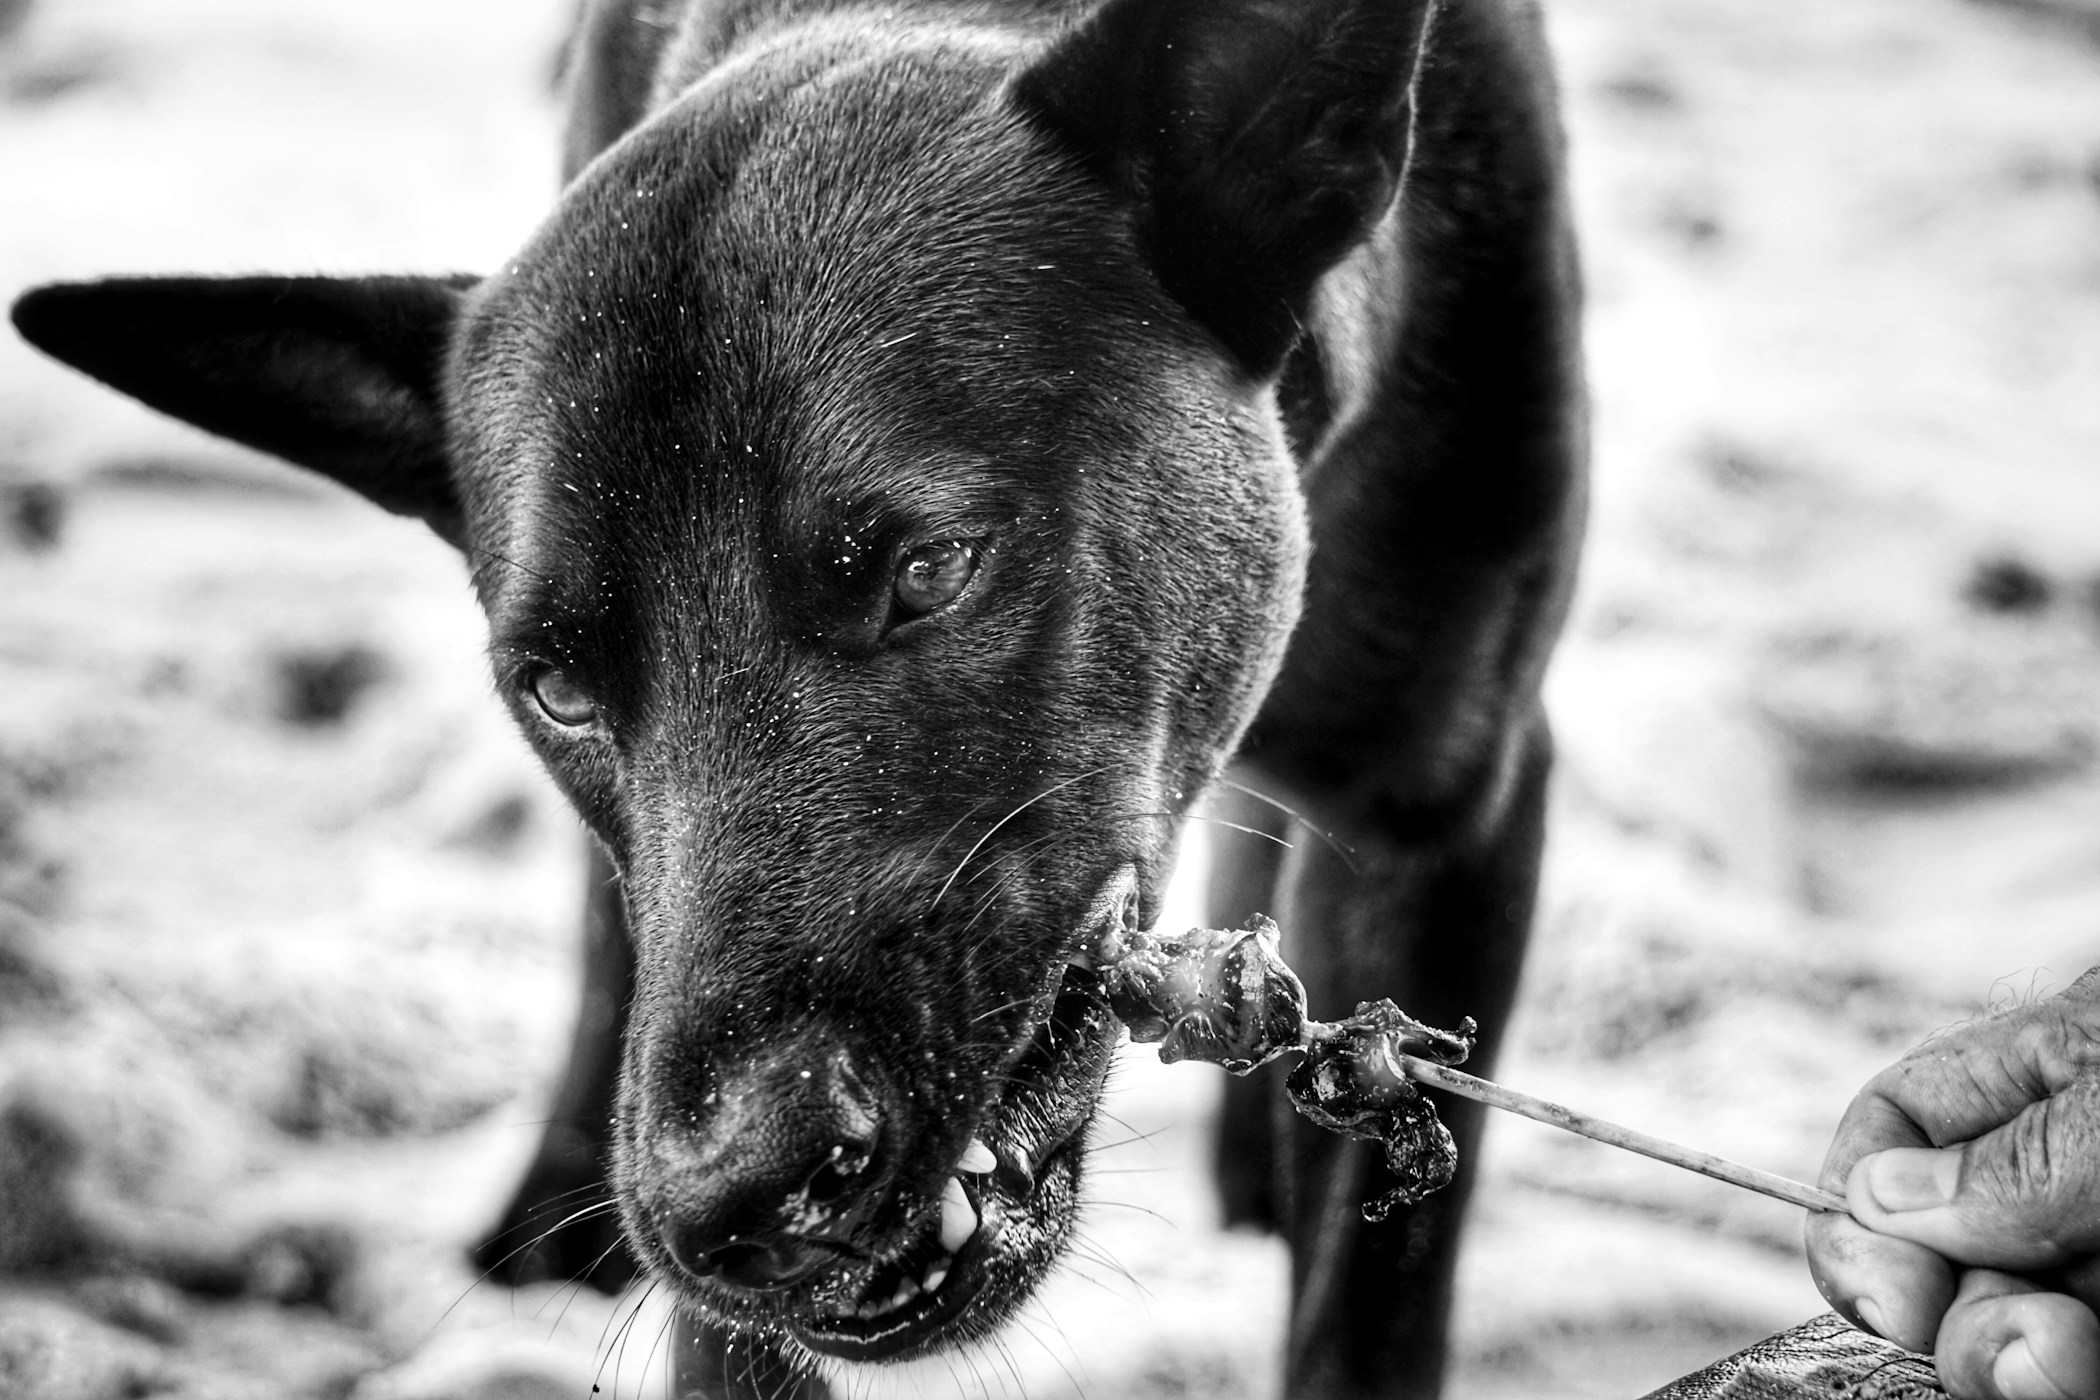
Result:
1972,1171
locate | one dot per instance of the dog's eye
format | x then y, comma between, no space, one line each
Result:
564,701
933,576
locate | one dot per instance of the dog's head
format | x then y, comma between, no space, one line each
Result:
873,478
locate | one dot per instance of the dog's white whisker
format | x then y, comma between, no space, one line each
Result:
994,829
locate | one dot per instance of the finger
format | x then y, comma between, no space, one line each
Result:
2024,1197
1972,1078
1891,1287
2006,1339
1873,1122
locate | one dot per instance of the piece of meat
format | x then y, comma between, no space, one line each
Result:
1226,996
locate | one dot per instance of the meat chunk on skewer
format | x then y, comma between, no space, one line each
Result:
1226,996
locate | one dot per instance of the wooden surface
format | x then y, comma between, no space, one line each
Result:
1825,1358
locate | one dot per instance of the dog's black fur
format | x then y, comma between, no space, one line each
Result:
924,446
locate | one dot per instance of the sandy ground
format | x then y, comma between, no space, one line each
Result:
285,912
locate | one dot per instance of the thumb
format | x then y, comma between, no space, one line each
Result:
2023,1196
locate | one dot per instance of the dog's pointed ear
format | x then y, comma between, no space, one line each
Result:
340,375
1257,139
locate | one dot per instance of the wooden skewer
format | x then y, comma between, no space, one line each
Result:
1705,1163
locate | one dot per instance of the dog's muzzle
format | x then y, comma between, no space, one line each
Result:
797,1188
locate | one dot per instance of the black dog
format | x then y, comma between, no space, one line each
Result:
923,447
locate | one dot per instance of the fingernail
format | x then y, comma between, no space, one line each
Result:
1870,1313
1911,1178
2018,1376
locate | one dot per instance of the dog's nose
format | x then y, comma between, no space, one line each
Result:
764,1191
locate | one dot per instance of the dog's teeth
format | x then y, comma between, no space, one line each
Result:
976,1158
907,1289
936,1275
958,1216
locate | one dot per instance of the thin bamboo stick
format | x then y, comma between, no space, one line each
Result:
1705,1163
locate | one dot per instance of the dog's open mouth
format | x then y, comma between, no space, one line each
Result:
1003,1210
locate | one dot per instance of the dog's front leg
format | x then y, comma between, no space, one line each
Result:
560,1223
1439,923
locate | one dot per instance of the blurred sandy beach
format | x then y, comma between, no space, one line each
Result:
287,914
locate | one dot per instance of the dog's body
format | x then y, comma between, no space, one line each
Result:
924,446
